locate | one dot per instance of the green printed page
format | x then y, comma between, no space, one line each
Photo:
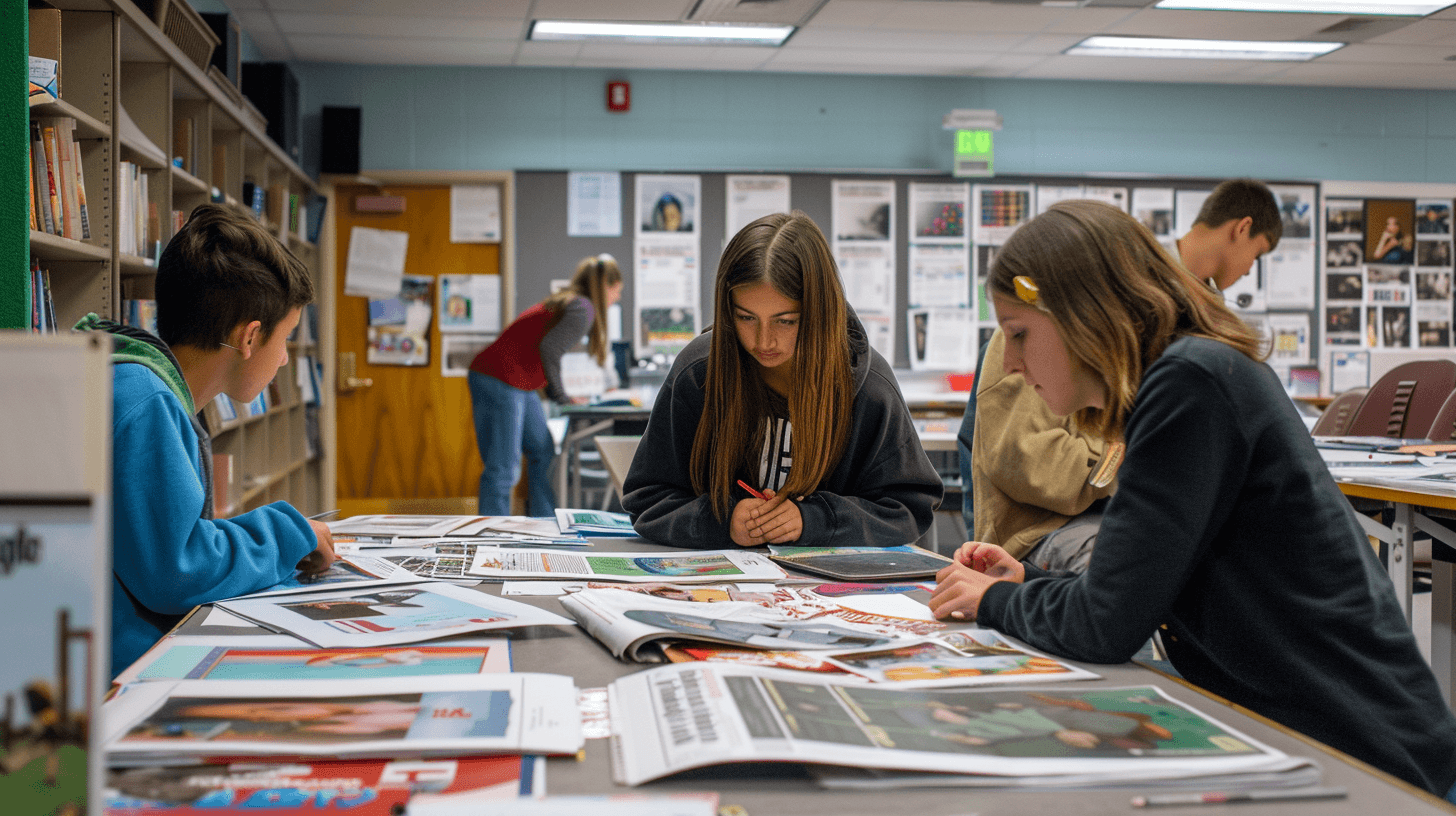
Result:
664,566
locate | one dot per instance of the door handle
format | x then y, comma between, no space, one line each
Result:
348,373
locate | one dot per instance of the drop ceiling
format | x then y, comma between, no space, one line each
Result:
954,38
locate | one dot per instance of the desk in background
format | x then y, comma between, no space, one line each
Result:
582,423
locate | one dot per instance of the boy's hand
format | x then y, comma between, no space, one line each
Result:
323,555
960,586
776,521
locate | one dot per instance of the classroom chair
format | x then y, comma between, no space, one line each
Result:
1335,421
617,453
1405,400
1443,427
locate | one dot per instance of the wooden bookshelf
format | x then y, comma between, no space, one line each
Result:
115,58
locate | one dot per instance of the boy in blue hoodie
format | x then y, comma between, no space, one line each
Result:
228,295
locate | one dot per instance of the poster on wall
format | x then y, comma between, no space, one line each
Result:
470,303
942,339
997,210
1186,204
1390,231
938,213
475,214
375,262
863,242
939,253
1153,208
1289,269
593,204
1049,194
458,350
1116,196
752,197
399,326
667,255
1288,341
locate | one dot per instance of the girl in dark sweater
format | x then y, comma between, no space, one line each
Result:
1226,534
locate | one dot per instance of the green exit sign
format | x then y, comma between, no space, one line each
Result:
973,153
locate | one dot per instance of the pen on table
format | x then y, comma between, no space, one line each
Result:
324,516
751,491
1221,797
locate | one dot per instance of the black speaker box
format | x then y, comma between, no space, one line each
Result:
227,55
273,90
339,140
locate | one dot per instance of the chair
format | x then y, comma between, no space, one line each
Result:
1443,427
1405,400
617,453
1335,421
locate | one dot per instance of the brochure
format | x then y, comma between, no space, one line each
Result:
594,522
696,567
404,717
384,616
279,657
972,657
862,563
347,570
368,787
673,718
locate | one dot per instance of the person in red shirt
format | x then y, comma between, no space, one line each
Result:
509,420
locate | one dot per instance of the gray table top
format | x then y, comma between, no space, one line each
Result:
785,788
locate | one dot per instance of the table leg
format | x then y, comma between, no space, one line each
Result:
1442,600
1401,565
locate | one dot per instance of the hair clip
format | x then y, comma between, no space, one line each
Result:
1026,290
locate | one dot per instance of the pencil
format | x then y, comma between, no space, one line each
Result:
751,491
1221,797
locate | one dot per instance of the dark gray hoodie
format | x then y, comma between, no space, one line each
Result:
883,491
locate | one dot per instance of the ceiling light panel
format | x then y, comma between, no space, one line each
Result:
1402,8
678,33
1172,48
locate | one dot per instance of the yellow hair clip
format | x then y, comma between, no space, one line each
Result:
1026,290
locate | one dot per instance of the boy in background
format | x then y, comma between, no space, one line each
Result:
1029,467
228,295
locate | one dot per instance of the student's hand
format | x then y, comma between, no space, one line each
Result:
960,586
776,521
323,555
738,523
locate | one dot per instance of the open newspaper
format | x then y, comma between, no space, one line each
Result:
697,567
974,657
388,615
187,720
673,718
362,787
280,657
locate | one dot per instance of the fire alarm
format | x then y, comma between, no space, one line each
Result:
619,97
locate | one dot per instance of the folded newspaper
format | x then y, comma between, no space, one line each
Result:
388,615
697,567
175,722
674,718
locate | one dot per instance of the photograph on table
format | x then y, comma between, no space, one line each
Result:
971,657
1390,231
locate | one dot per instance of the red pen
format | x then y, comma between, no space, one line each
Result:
751,491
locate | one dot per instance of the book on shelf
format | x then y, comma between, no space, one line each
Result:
47,181
42,303
45,44
315,216
184,144
140,313
293,205
259,405
40,181
276,203
70,163
43,80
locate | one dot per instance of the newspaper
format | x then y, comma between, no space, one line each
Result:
696,567
594,522
348,570
673,718
629,624
363,787
974,657
388,615
399,526
405,717
280,657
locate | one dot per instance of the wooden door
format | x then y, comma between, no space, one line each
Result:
406,443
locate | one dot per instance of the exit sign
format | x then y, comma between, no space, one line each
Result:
973,153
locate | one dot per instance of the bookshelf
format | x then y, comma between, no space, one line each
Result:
138,101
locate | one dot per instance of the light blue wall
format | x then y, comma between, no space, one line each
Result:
555,118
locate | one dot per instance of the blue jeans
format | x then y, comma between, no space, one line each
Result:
509,422
1451,795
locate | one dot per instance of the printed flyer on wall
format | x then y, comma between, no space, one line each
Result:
706,714
379,617
695,567
407,717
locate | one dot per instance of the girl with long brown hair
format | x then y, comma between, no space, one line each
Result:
784,395
1226,535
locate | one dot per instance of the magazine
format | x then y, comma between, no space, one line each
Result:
519,525
404,717
279,657
1292,772
615,804
673,718
365,787
973,657
347,570
696,567
798,661
388,615
630,624
594,522
862,563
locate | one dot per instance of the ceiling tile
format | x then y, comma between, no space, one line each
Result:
1088,20
401,51
1392,55
358,25
907,41
1222,25
661,10
971,17
1425,32
865,13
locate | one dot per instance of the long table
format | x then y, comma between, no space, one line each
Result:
1413,511
786,788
